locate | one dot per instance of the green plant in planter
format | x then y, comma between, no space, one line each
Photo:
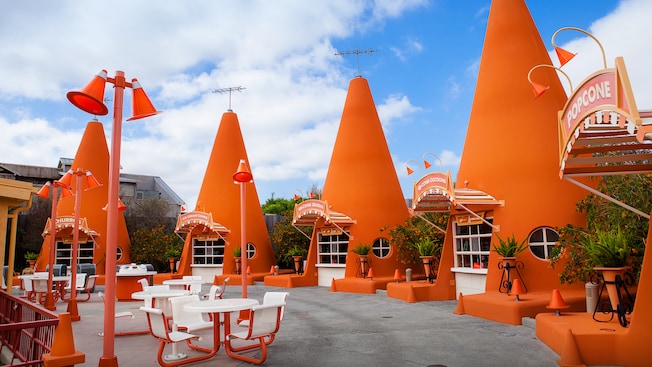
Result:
427,247
31,255
361,249
509,247
607,249
237,251
172,253
295,251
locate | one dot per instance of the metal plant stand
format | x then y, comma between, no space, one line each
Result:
507,277
625,304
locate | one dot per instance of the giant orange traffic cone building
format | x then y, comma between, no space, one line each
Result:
362,183
213,229
511,153
92,155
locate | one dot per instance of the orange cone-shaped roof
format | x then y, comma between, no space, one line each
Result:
511,151
361,181
93,155
220,196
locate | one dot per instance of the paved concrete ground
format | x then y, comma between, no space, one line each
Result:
323,328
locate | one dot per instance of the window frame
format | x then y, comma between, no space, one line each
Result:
474,254
545,244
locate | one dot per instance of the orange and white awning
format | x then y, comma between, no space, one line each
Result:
306,213
434,192
602,132
188,221
65,222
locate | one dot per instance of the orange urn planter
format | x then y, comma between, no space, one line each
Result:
238,264
609,275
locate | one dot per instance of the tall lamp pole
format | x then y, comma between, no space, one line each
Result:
44,192
243,176
90,100
91,183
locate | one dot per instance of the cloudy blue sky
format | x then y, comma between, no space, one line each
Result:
422,76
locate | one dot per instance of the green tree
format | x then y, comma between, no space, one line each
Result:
405,237
149,245
277,206
285,236
604,215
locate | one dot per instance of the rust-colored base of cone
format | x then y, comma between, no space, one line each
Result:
63,352
108,361
48,303
72,308
570,356
460,305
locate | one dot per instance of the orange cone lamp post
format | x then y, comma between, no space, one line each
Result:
90,100
91,183
241,177
44,193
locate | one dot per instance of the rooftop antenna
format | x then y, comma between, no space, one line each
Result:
356,53
228,90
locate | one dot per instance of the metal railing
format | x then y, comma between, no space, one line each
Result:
26,331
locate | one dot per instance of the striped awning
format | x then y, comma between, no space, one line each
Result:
65,222
433,193
466,196
601,130
307,212
188,221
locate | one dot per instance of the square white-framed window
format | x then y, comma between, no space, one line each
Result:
472,245
332,248
63,252
208,251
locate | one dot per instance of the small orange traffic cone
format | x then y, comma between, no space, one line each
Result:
371,274
517,289
271,270
63,352
248,270
460,305
556,302
397,275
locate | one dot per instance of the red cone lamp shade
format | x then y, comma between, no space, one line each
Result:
141,106
563,55
90,99
44,191
242,174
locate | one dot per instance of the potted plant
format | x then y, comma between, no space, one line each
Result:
427,250
237,253
31,258
172,254
297,254
362,250
607,252
509,247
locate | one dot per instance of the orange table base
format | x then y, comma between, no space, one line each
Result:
126,285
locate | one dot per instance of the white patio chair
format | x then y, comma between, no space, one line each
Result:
264,321
195,288
189,321
158,327
88,288
40,289
268,299
217,291
29,288
80,279
143,283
